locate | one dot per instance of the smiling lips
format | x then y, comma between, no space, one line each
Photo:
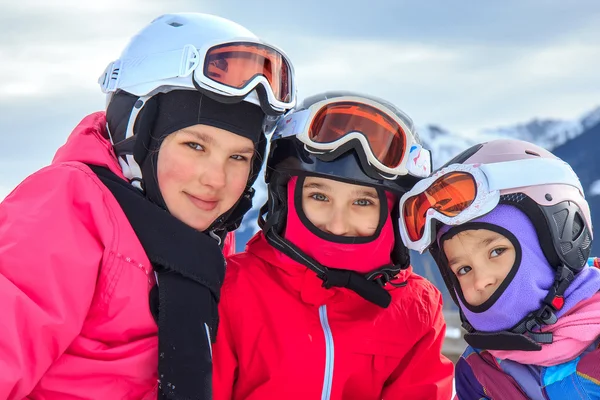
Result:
205,204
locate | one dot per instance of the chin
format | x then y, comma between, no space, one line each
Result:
200,223
476,303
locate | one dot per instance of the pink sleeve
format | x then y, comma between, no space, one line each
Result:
49,260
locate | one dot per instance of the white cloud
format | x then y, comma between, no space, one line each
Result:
437,71
594,189
55,68
63,46
464,88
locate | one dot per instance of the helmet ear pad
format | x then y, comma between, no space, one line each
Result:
118,113
143,128
571,237
563,234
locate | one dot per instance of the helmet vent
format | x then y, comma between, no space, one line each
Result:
565,247
586,242
560,219
512,198
175,24
582,258
532,153
577,226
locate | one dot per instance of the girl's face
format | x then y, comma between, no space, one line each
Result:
481,259
202,172
340,208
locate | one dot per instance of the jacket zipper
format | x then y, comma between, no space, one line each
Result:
329,354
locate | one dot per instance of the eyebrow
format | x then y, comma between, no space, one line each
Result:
201,136
365,193
327,188
315,185
482,243
453,260
210,140
245,150
489,240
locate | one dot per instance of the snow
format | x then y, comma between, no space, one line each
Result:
443,144
591,119
548,134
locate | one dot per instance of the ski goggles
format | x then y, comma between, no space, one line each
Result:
386,138
232,69
462,192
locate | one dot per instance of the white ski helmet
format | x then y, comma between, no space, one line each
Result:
173,52
194,51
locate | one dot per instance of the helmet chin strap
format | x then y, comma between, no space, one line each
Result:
526,335
132,171
125,149
370,290
130,168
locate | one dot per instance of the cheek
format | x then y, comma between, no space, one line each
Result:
366,221
316,212
237,178
468,291
506,266
174,170
168,172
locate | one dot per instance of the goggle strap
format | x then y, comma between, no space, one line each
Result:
150,68
293,125
531,172
419,161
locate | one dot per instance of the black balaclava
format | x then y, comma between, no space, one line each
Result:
169,112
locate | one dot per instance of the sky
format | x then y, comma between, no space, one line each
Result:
463,65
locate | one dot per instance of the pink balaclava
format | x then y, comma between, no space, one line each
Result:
362,256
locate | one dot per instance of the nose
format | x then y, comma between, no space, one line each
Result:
215,176
338,224
483,279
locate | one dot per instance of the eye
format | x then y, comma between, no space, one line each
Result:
238,157
463,271
363,202
497,252
195,146
318,197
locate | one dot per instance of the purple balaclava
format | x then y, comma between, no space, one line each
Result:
529,280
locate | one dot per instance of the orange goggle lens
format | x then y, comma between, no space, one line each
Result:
386,137
450,194
236,64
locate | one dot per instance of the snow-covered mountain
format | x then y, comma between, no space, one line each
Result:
547,133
